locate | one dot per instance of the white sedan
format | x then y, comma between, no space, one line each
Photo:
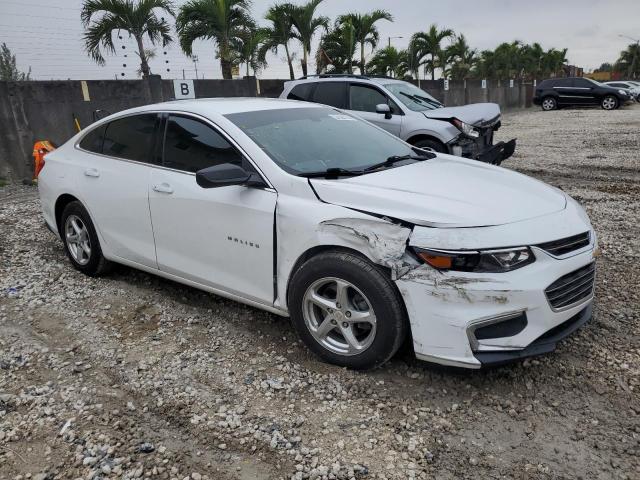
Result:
306,211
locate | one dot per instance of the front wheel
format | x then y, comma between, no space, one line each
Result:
434,145
347,310
609,103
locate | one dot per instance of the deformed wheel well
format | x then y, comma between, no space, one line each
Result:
313,251
424,136
62,201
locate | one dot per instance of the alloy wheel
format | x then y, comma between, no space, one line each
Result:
548,104
339,316
77,237
609,103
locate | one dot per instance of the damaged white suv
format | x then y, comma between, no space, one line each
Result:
309,212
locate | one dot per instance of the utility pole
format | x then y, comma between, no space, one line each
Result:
390,71
195,64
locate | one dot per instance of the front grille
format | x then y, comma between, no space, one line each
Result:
572,288
566,245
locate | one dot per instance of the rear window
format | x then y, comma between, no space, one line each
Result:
301,92
333,94
130,137
92,141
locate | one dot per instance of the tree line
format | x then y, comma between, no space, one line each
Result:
343,44
628,63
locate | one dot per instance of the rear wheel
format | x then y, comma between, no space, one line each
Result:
549,103
346,310
434,145
81,241
609,103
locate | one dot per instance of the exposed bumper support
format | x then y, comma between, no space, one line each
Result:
498,153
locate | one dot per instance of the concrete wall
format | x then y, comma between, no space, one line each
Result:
45,110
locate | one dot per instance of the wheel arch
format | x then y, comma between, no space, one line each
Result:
425,136
61,202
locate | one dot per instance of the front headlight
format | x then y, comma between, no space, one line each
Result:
465,128
487,261
622,92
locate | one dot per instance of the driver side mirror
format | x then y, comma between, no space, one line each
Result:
383,108
227,174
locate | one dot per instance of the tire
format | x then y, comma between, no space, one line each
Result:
549,103
371,312
434,145
84,254
609,102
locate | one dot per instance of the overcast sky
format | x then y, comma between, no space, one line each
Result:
46,34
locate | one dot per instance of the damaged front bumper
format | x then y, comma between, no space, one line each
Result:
483,148
474,320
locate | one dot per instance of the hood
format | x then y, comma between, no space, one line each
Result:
474,114
445,191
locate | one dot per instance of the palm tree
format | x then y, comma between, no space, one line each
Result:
461,57
306,23
629,61
364,29
248,47
220,20
428,46
336,50
137,17
554,61
389,60
279,33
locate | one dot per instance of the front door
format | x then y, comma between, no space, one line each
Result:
220,237
363,100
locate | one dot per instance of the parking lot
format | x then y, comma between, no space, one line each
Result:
133,376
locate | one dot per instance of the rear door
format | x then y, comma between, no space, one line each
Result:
583,91
363,99
114,185
564,88
220,237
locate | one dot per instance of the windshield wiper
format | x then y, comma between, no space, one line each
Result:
421,99
332,173
397,158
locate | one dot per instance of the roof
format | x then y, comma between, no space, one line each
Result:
224,106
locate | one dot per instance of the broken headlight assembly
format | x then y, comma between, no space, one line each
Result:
466,128
487,261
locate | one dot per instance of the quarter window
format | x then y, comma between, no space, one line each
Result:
301,92
331,93
191,145
130,137
92,141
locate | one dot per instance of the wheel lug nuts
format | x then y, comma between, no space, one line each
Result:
338,305
345,324
347,314
333,322
330,310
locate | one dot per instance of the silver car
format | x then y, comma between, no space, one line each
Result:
410,113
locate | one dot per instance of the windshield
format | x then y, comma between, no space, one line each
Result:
413,97
305,140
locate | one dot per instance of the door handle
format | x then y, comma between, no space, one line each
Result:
163,188
92,172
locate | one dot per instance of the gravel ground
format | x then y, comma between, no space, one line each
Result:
132,376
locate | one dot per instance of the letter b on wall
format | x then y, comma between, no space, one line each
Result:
183,89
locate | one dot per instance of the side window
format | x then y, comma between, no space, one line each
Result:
130,137
331,93
191,145
562,82
365,99
582,83
618,85
301,92
92,141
